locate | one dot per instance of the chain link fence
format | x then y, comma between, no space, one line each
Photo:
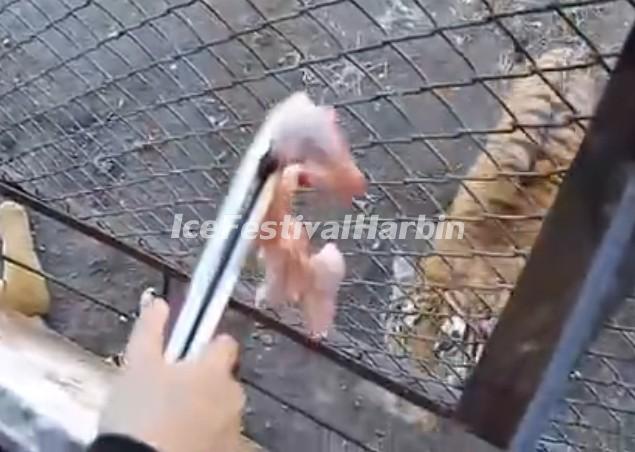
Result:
131,115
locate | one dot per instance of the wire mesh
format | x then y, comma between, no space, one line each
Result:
326,436
129,113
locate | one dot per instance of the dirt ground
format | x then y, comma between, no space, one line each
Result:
119,135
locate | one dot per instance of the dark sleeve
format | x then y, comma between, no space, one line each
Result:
116,443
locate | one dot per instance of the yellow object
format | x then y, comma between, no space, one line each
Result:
20,290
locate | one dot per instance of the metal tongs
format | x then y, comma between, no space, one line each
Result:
219,266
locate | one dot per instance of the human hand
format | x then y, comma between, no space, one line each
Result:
189,406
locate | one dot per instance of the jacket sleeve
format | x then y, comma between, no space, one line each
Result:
117,443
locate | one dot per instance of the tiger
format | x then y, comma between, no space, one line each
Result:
459,289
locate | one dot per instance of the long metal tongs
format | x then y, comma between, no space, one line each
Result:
219,266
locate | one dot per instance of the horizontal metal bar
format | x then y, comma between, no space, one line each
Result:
123,316
581,267
21,196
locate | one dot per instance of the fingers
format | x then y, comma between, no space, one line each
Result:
233,438
147,337
222,353
222,356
